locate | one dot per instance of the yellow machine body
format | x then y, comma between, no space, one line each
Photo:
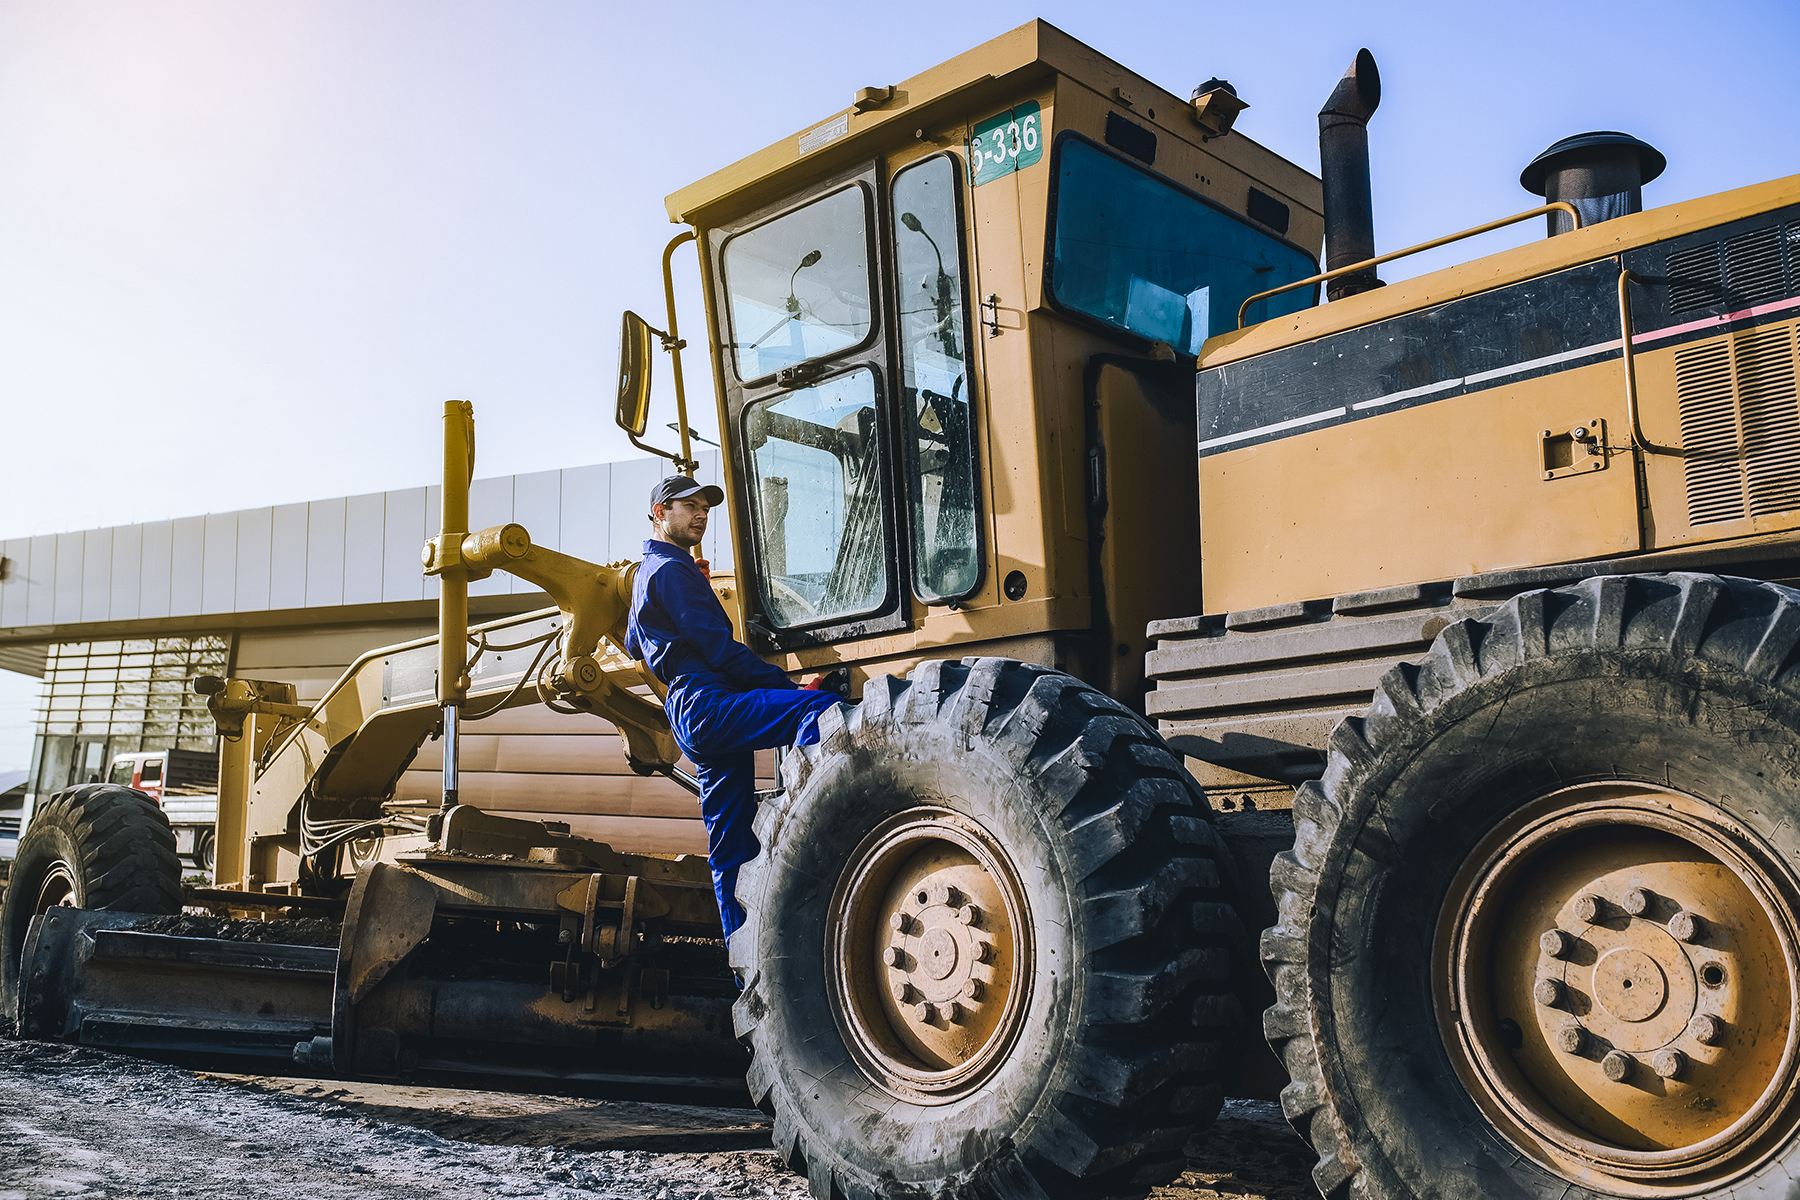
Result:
1442,462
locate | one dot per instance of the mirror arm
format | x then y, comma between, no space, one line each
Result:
686,466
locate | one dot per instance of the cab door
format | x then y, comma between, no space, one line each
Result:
799,289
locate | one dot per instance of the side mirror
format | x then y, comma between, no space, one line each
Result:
635,361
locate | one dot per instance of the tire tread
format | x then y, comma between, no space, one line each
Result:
1739,625
123,855
1154,899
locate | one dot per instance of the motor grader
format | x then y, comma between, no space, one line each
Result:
1431,644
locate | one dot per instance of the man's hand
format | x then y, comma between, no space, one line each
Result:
837,682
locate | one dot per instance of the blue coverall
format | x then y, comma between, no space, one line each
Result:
724,703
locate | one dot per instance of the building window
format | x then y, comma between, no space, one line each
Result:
100,699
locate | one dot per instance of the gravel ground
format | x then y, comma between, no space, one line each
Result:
80,1123
84,1123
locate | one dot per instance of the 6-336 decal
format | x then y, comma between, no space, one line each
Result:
1006,142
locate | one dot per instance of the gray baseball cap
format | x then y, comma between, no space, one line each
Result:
679,487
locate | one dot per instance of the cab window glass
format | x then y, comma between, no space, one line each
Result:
121,774
799,286
815,488
1136,252
938,440
152,771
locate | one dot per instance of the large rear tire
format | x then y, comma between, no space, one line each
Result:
97,846
1540,927
989,944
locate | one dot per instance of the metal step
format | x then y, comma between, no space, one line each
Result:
1255,694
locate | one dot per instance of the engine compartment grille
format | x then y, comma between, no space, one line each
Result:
1736,272
1740,425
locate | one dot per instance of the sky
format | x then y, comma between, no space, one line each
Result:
247,250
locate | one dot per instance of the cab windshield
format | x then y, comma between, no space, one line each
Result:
800,286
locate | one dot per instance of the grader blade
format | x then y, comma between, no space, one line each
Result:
104,979
451,967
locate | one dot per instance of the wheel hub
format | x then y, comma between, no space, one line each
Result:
1617,970
930,952
1629,984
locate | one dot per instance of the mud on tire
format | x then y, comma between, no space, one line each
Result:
1680,688
99,846
1116,1060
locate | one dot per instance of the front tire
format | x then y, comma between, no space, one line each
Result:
989,944
98,846
1540,927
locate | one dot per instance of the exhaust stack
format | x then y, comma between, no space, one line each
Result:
1602,174
1344,167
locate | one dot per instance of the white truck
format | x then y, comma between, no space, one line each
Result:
185,785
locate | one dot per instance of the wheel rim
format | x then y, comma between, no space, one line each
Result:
929,954
1616,970
58,888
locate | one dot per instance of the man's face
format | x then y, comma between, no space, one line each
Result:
681,521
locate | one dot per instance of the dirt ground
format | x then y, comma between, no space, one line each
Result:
80,1124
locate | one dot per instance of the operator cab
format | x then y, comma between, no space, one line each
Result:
910,308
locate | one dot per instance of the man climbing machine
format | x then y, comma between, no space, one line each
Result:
724,703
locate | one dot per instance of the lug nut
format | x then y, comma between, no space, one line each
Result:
1684,926
1548,992
1706,1029
1618,1065
1588,909
984,952
972,990
893,956
1668,1063
925,1012
946,894
1637,901
1571,1039
901,991
1557,943
900,923
951,1010
969,914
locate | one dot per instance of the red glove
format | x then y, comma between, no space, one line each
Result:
705,568
816,683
